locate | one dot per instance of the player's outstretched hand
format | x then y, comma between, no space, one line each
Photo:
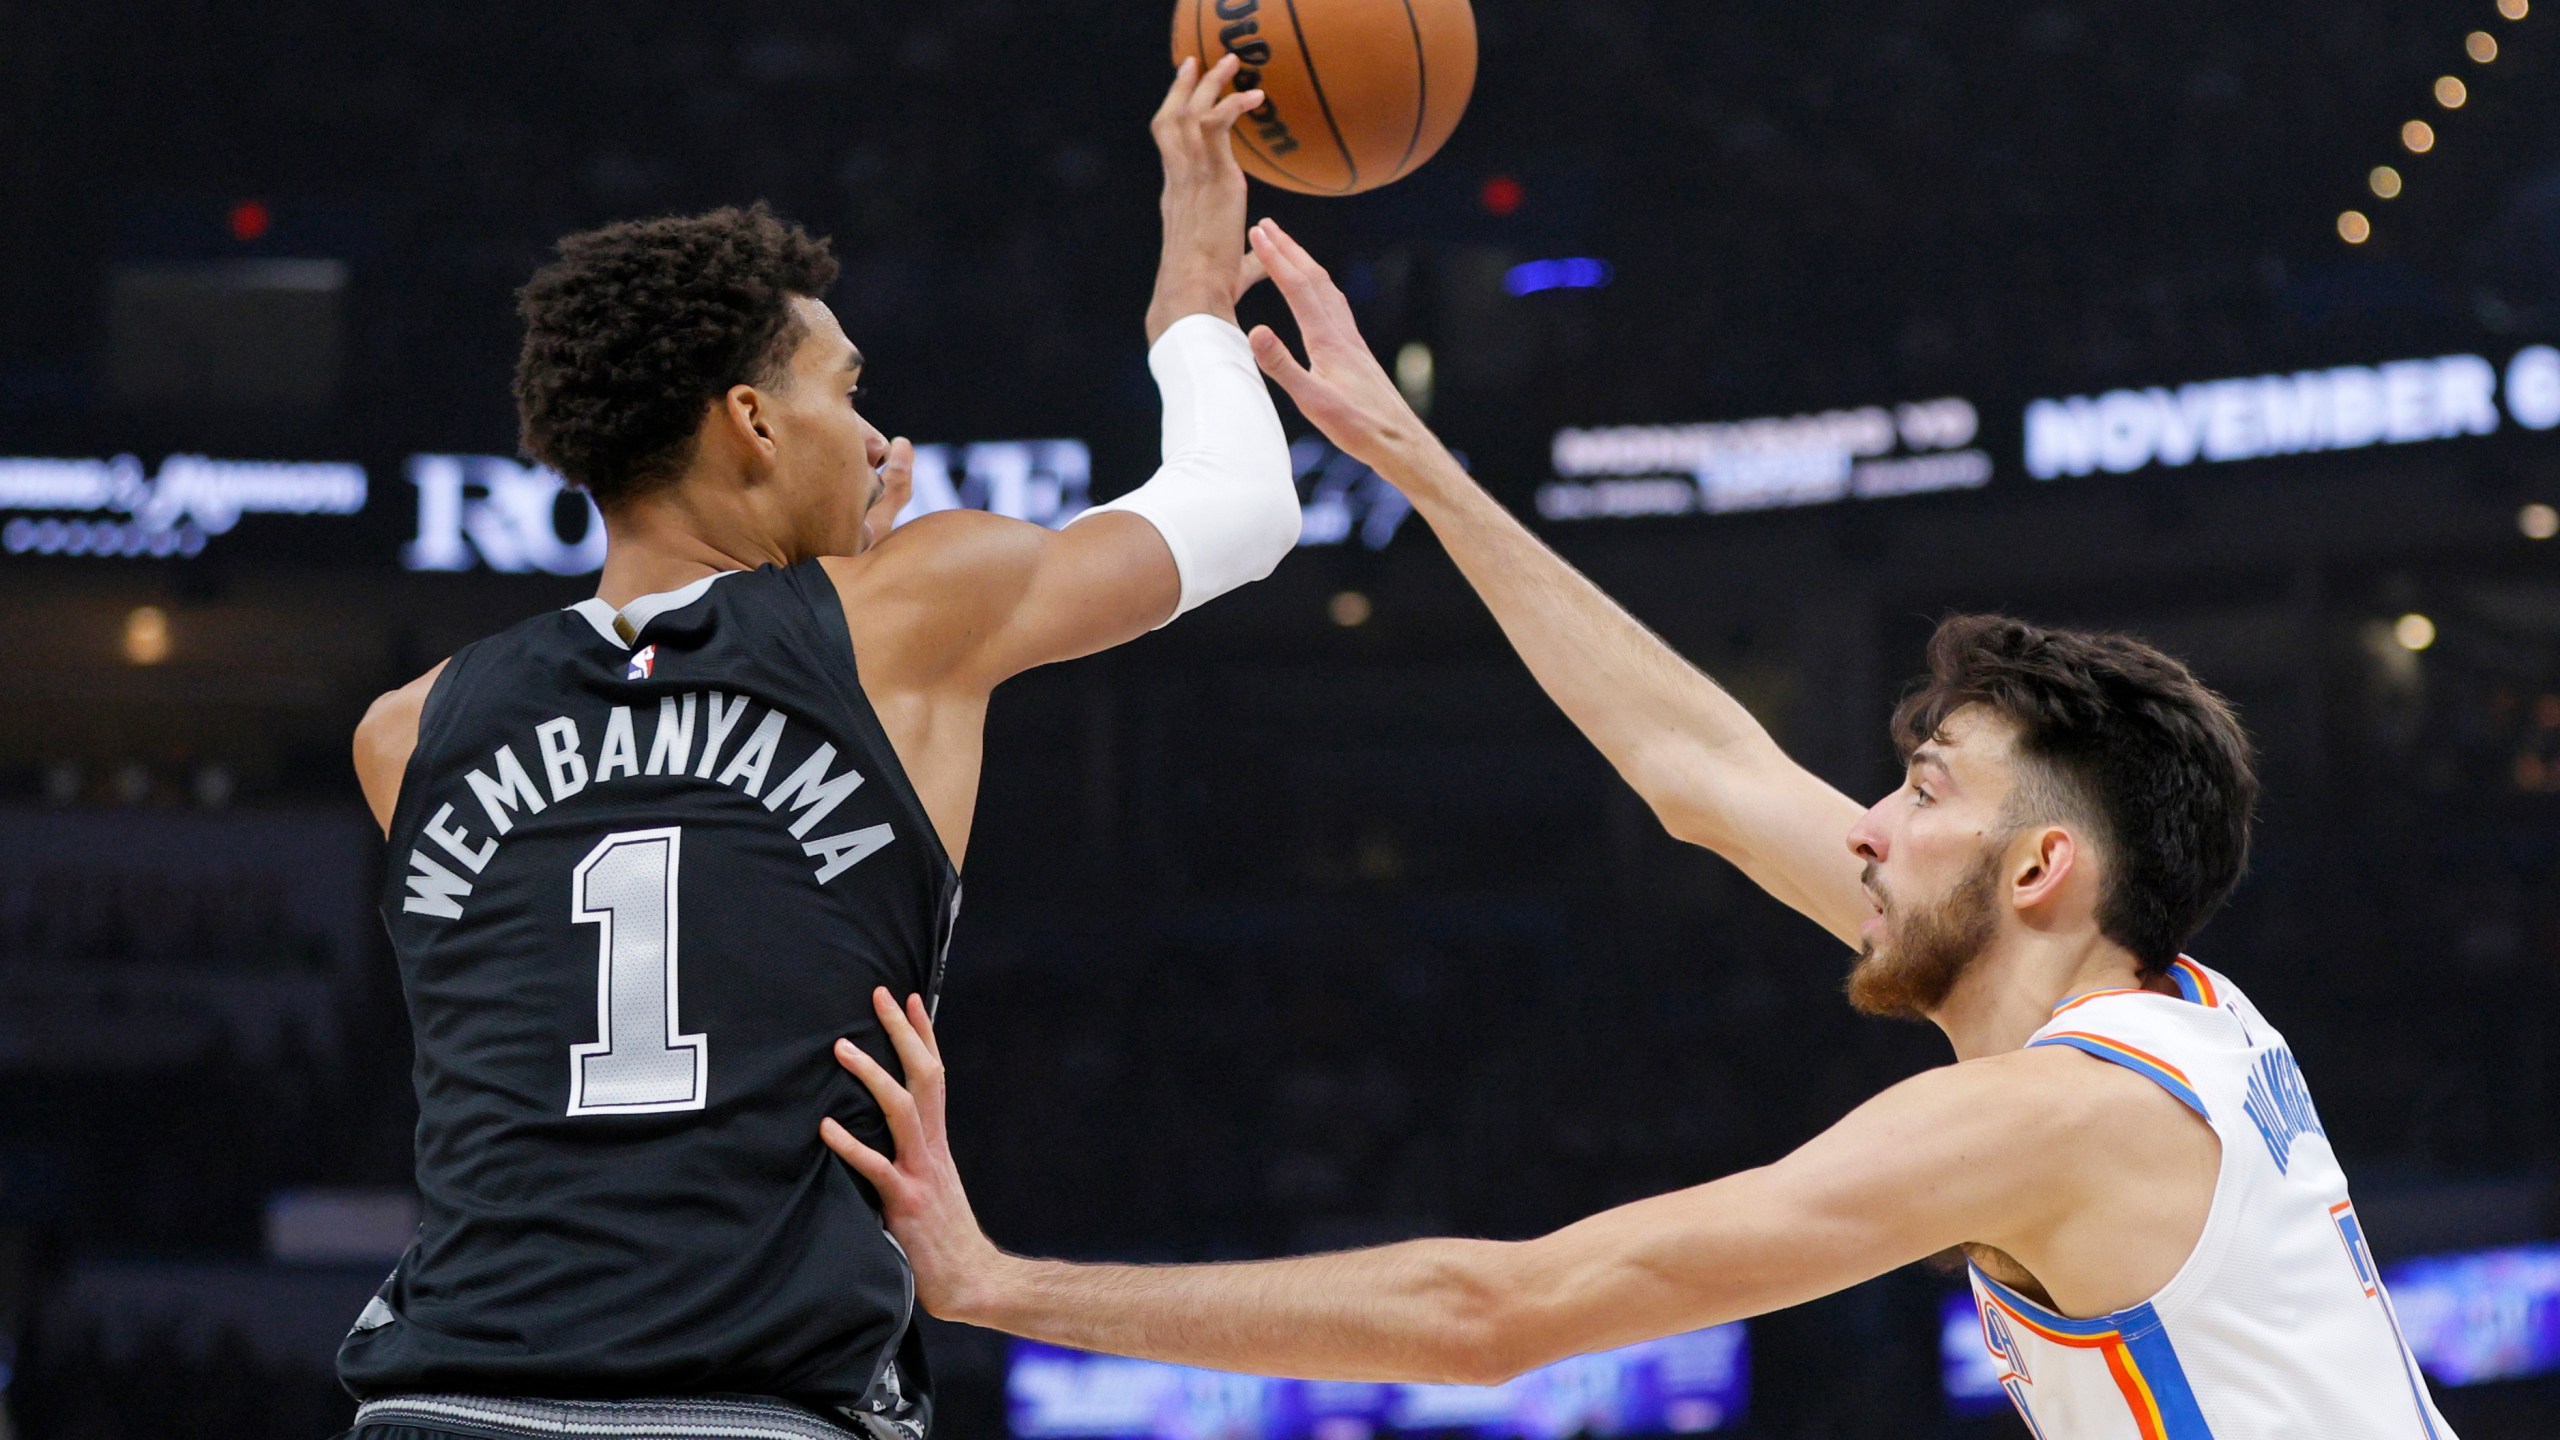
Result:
1205,268
1341,389
920,1191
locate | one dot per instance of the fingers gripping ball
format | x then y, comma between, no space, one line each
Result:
1360,92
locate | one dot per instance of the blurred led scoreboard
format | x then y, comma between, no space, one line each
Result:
2470,1318
1682,1385
492,512
1872,453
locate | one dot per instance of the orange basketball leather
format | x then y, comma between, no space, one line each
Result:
1359,92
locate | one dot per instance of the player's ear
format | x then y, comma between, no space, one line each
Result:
2039,867
745,418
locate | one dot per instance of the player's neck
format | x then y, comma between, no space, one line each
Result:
2009,994
662,542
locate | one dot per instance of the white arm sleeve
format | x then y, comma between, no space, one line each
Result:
1225,500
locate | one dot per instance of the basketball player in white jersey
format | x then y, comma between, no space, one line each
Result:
2161,1239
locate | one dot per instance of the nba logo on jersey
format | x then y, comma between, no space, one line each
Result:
643,665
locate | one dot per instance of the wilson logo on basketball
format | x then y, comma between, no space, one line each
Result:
1241,35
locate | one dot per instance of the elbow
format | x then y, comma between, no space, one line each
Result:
1684,819
1496,1353
1680,820
1278,520
1489,1334
1493,1369
1252,519
1676,783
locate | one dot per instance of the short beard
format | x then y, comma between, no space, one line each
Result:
1932,952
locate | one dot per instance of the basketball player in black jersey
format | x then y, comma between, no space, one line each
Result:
649,855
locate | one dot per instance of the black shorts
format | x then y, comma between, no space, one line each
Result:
485,1417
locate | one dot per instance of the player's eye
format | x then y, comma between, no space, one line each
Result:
857,394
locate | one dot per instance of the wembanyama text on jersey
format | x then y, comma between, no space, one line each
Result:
645,868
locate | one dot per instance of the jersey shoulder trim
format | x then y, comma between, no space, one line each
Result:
2102,1032
2067,1006
2195,982
2141,1062
2196,986
621,628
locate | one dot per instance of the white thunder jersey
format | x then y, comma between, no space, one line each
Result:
2277,1326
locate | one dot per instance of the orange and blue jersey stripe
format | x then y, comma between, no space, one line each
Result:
2142,1062
2140,1359
2194,986
2077,1001
2193,982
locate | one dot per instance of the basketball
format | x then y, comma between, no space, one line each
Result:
1357,93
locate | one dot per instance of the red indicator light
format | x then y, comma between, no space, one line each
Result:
250,219
1502,196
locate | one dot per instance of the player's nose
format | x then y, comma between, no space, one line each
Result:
1867,838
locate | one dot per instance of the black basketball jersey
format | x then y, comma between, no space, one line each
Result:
644,870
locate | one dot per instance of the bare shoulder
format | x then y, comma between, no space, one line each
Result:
933,588
2109,1110
1990,1127
945,555
2037,1089
384,739
2010,1149
966,599
2063,1101
2134,1172
389,728
2013,1129
2128,1149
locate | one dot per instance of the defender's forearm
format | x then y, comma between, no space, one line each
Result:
1427,1310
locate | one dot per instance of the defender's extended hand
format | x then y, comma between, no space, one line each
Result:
920,1191
1205,267
1342,389
897,487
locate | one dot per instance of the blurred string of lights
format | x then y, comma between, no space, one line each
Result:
2419,137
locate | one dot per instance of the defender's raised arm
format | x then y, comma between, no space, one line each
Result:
1712,774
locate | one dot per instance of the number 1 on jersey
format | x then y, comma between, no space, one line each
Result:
638,1064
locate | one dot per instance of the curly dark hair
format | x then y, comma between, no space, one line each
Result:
2120,737
638,327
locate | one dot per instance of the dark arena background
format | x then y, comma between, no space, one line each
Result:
1307,922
